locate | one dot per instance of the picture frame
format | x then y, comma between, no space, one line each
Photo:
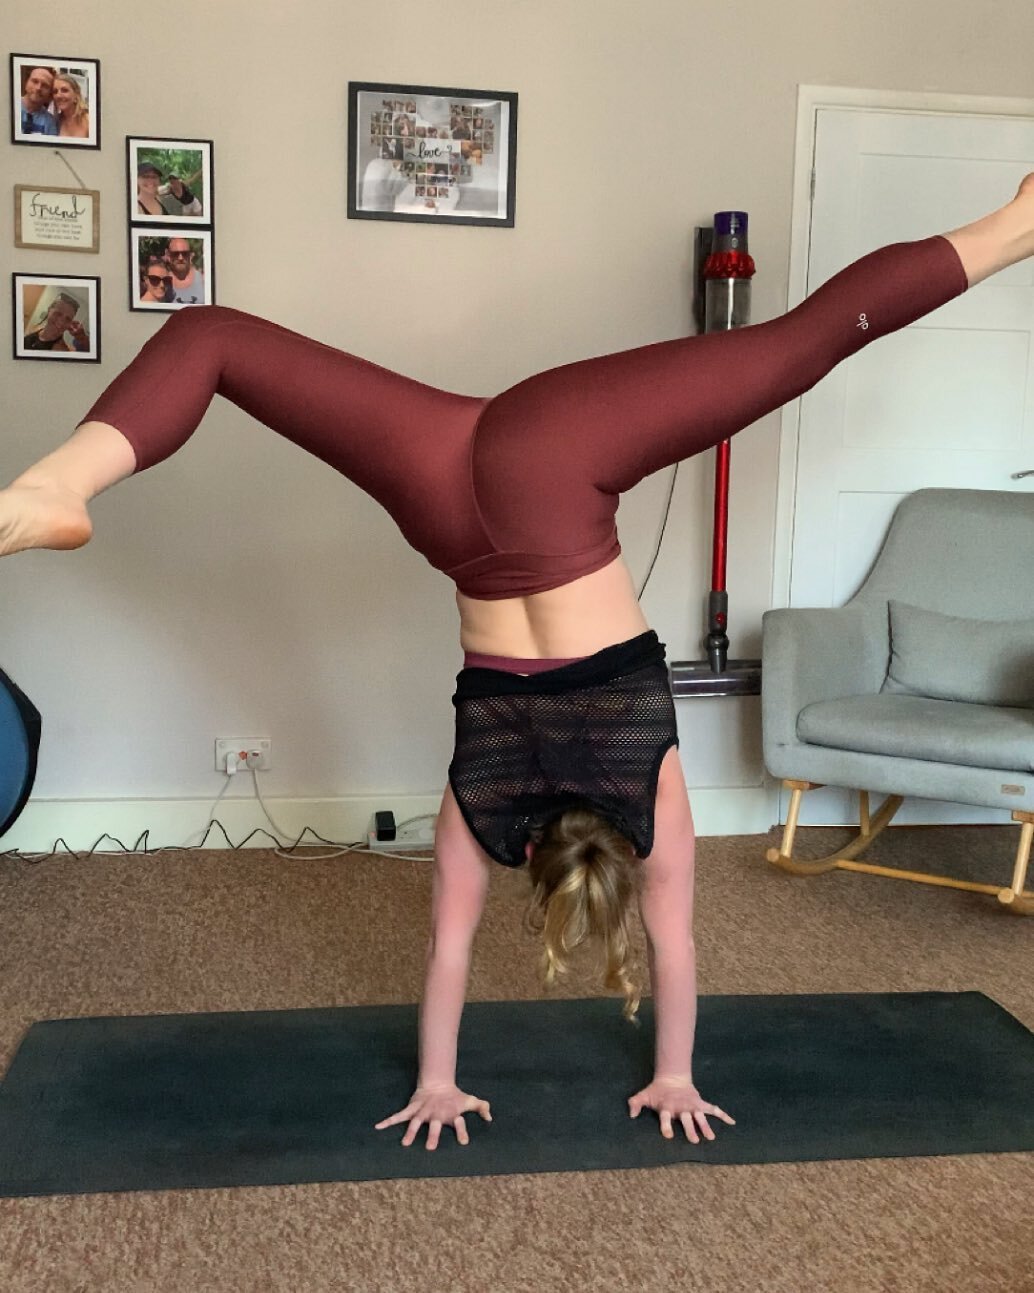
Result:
169,181
42,303
57,219
55,101
416,154
152,256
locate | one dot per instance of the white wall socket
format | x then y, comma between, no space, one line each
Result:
241,745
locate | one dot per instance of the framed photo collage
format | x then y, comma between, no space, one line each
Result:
170,214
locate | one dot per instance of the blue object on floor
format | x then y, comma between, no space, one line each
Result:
20,725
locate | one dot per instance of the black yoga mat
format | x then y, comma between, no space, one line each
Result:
282,1097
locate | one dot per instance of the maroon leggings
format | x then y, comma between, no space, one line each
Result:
518,493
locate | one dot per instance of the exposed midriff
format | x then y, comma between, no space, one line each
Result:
577,619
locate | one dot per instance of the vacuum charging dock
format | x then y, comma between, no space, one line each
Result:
697,678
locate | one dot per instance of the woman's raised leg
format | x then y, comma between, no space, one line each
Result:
612,420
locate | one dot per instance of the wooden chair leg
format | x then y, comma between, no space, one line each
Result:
869,828
782,856
1015,899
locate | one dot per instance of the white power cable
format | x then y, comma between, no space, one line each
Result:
211,818
282,841
660,532
319,857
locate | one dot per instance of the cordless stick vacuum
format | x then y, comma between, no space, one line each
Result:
724,270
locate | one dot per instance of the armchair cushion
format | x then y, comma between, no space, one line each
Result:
948,657
917,727
817,654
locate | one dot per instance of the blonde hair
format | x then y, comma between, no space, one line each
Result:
80,109
584,875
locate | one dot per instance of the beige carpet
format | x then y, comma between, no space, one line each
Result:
249,931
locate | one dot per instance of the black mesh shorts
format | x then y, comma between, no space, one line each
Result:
591,734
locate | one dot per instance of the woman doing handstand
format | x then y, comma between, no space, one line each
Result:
565,730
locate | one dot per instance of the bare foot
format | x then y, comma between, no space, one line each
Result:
1022,209
42,516
999,239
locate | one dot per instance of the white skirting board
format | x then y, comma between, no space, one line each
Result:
81,822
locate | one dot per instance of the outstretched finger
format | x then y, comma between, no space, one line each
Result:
484,1109
705,1126
401,1116
666,1130
689,1127
461,1131
434,1130
411,1131
720,1113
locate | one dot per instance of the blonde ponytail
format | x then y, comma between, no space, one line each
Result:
584,875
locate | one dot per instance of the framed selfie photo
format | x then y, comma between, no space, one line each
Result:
169,181
57,219
170,268
428,154
55,101
56,317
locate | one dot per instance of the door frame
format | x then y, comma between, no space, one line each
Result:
810,99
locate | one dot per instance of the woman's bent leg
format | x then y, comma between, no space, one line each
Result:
371,424
360,418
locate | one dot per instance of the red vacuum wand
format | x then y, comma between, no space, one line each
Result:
727,273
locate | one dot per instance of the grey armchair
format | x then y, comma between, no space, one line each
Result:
922,684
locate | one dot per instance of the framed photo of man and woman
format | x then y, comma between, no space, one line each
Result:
170,268
169,188
424,153
55,101
169,181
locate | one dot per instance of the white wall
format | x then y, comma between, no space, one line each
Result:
243,588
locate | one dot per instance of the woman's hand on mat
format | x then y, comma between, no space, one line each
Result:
436,1106
672,1098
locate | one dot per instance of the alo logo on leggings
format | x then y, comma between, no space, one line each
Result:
862,323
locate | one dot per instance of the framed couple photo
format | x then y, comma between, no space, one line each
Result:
171,202
169,181
57,317
55,101
430,154
170,268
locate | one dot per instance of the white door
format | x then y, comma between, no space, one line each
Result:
947,402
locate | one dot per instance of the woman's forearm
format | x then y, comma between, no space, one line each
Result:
673,980
441,1008
666,906
459,889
